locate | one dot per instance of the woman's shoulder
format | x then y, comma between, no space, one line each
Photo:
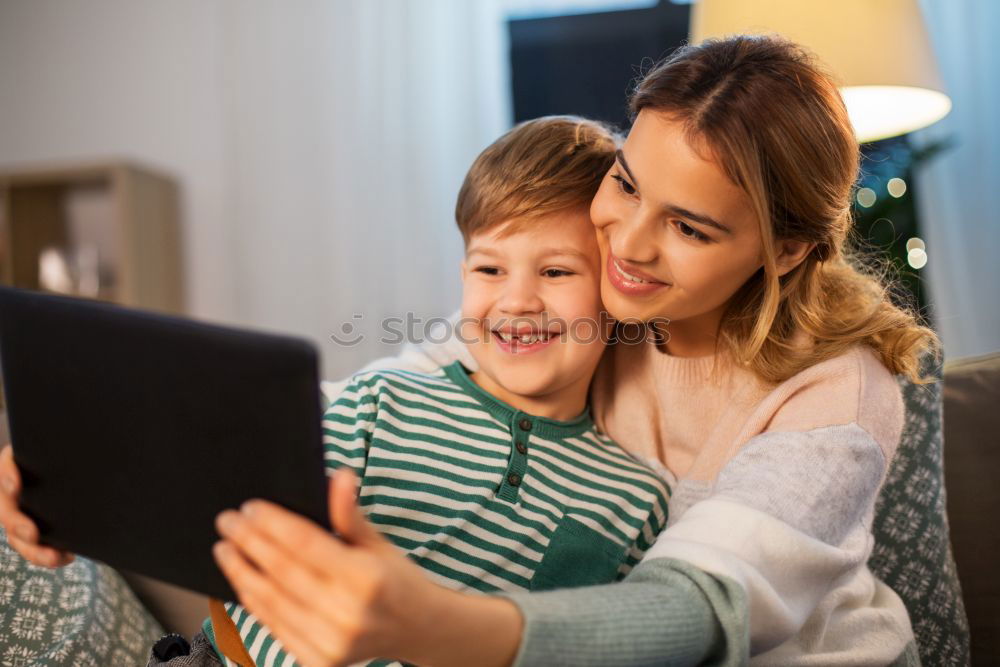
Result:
852,388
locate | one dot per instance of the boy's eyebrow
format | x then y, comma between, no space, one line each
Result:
673,209
484,250
545,252
569,252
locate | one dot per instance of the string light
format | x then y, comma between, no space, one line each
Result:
896,187
915,242
917,258
866,197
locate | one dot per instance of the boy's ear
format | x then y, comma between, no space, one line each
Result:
463,270
791,253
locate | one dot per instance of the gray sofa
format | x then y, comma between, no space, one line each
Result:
971,465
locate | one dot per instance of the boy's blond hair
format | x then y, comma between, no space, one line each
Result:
542,166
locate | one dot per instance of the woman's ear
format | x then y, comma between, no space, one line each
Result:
791,253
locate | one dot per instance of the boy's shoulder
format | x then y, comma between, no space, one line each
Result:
650,470
428,387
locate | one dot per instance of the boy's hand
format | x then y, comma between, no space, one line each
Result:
22,533
338,601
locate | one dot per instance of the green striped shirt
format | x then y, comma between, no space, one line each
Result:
481,495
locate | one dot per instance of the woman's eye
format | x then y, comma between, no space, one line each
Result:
690,232
556,273
624,185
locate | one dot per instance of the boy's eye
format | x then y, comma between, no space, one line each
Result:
488,270
624,185
690,232
556,273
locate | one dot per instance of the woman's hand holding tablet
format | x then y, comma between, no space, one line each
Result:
22,533
339,600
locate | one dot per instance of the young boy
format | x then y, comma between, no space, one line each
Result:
498,480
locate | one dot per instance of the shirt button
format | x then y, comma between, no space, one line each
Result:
514,479
525,424
521,447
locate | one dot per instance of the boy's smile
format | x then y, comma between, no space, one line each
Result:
532,314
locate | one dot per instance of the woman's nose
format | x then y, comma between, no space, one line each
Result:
633,239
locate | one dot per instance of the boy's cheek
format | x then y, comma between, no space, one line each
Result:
471,328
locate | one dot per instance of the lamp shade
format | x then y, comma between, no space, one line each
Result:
878,50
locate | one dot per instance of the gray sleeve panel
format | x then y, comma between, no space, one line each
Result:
820,482
666,612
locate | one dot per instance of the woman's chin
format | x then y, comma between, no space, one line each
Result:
629,308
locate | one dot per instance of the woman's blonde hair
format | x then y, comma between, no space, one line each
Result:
776,125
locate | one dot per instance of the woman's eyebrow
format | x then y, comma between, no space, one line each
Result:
620,156
673,209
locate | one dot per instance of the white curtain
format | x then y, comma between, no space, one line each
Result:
319,144
959,192
350,127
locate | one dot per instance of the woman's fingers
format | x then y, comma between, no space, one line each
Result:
265,554
296,535
39,555
294,572
305,635
9,477
10,489
345,515
22,533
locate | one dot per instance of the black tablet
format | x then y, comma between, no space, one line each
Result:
132,430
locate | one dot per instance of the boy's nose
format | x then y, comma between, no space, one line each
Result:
521,296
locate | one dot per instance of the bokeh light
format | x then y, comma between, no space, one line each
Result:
917,258
896,187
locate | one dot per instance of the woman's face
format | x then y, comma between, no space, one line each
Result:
677,237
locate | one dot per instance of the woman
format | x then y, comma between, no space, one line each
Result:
771,407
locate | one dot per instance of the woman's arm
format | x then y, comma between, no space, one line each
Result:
741,571
336,601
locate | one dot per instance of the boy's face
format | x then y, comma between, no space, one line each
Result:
531,305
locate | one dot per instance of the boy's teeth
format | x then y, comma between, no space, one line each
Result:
523,339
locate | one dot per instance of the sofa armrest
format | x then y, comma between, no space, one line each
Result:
971,460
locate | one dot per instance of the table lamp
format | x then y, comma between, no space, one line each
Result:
878,50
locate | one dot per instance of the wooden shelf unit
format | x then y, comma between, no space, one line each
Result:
131,216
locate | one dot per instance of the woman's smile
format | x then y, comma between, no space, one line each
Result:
629,280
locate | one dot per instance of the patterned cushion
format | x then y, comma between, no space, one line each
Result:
912,553
80,615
